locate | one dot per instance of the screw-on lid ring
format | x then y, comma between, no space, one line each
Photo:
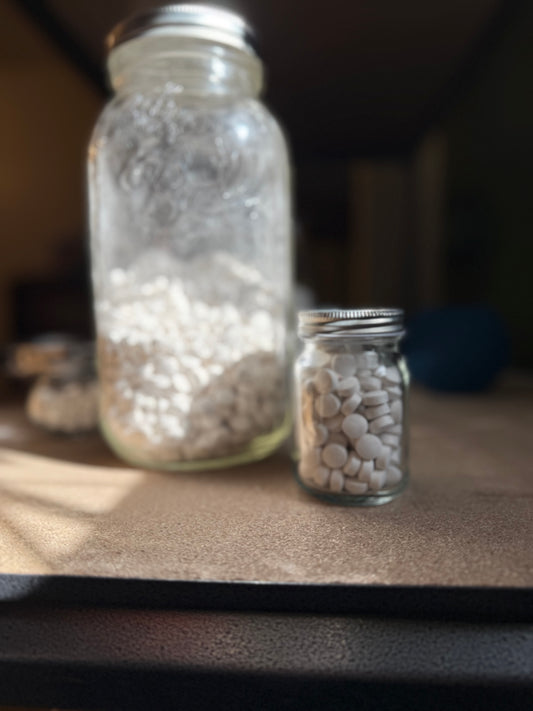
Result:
200,21
366,321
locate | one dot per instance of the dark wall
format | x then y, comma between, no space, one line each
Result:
490,184
358,93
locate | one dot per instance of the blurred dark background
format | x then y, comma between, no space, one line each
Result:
410,130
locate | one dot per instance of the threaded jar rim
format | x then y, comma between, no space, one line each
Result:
342,322
186,20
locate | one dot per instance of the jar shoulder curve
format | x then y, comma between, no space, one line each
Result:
274,126
103,125
136,115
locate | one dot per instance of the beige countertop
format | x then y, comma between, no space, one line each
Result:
69,507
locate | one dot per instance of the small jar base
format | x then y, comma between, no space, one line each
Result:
374,499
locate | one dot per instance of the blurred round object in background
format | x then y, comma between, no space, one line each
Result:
64,396
40,355
461,348
63,405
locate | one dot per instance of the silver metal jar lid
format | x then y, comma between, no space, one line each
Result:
199,21
341,322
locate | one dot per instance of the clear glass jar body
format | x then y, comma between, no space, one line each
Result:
191,252
351,423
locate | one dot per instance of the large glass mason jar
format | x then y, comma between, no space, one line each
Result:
351,402
190,222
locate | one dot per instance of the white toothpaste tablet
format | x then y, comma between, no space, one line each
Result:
354,426
380,423
391,440
334,424
320,435
352,466
327,405
334,455
348,386
321,476
325,381
371,413
375,397
393,376
368,446
336,481
377,479
351,404
352,486
344,363
367,467
394,476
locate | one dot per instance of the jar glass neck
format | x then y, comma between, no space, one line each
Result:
192,67
381,340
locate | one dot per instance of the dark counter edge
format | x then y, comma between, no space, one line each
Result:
75,642
505,604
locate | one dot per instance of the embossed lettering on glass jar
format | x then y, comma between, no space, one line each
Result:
191,251
351,401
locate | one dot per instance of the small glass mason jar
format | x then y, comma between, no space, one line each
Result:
191,245
351,385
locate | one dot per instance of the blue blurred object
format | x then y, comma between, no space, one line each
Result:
460,348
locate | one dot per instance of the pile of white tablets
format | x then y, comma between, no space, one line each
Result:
350,423
191,365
